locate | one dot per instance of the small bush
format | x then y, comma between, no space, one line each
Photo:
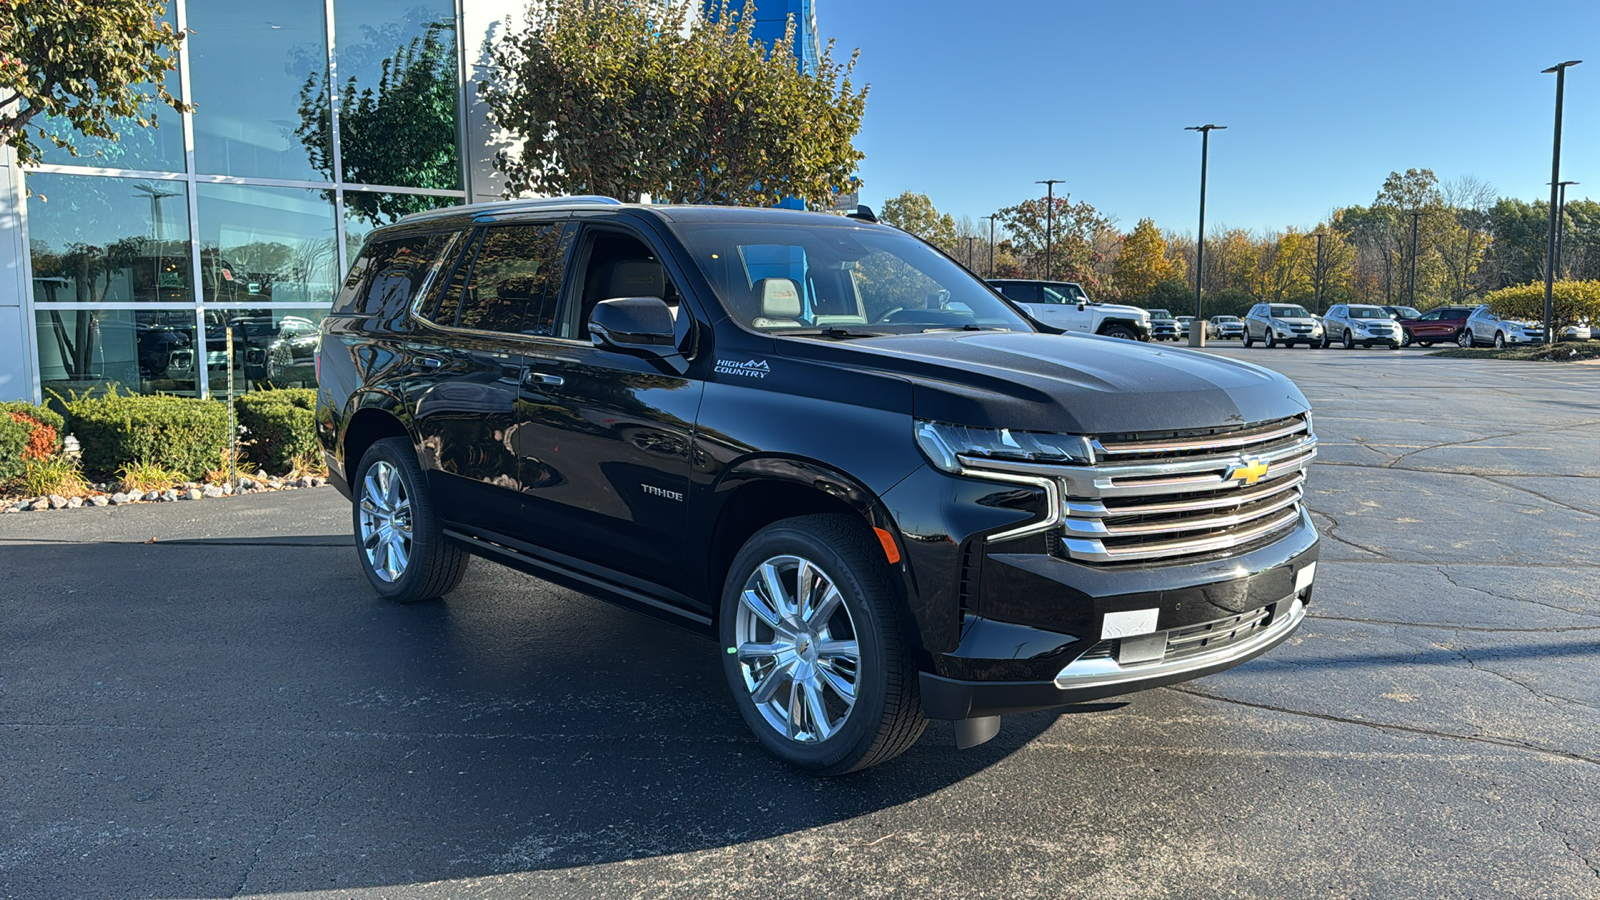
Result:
27,432
145,477
280,426
182,434
53,475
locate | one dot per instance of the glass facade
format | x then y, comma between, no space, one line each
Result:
148,252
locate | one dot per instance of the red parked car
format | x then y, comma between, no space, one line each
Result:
1442,325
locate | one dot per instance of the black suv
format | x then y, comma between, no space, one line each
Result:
887,494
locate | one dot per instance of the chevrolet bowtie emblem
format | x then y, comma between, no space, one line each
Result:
1248,470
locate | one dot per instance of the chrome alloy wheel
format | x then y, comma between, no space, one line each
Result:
386,521
797,649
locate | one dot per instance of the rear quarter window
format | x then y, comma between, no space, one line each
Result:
388,273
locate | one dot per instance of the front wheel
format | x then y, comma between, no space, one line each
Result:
399,541
1349,340
1272,341
815,654
1248,340
1464,339
1425,343
1121,332
1499,341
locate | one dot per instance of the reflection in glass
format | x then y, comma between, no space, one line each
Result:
260,244
156,149
108,240
362,213
249,61
272,348
134,350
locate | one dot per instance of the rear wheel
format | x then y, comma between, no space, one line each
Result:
401,546
1405,338
812,625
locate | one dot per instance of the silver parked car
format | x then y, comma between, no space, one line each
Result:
1358,323
1484,327
1281,323
1225,327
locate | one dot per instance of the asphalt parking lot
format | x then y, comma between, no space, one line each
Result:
205,699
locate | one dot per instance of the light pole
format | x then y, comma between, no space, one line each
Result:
1200,243
1560,70
1049,219
157,228
991,243
1561,221
1316,281
1415,215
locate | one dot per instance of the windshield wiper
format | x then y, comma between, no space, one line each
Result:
831,331
968,327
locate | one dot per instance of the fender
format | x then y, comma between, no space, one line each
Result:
815,476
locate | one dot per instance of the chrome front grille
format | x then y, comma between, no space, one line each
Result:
1160,497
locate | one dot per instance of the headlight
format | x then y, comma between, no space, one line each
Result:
944,445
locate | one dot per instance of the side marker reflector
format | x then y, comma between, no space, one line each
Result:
889,549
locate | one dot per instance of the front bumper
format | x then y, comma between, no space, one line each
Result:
1109,676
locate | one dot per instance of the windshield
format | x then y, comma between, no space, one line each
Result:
779,278
1367,312
1160,314
1064,293
1405,312
1225,320
1289,312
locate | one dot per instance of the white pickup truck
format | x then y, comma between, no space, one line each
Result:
1065,305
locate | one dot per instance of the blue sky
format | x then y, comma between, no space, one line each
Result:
973,100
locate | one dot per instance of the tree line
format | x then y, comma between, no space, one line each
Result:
1421,242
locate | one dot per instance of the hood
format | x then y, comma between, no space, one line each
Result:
1070,383
1120,310
1300,320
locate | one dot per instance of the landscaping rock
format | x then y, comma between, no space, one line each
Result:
304,481
227,490
153,496
120,498
192,494
212,491
246,484
98,500
169,495
74,503
58,502
41,503
318,481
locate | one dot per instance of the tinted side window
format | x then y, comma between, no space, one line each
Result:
1022,293
395,271
515,281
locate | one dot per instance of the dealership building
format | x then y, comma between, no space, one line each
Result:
314,122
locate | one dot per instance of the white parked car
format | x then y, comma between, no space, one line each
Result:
1277,324
1358,323
1582,331
1484,327
1065,305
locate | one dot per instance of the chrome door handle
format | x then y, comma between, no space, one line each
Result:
428,362
541,378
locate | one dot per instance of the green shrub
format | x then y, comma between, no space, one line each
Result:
1569,302
280,425
27,432
182,434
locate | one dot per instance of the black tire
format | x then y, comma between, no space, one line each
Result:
1499,340
1349,340
1272,340
1393,345
1248,340
434,566
1121,332
1405,338
1464,339
1424,343
886,718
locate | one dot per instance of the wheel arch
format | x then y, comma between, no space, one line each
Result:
374,416
756,492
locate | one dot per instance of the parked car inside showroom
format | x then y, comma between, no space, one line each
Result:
1352,324
1281,325
886,494
1484,327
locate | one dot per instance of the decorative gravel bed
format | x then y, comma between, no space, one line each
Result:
112,495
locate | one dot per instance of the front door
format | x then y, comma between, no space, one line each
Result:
605,438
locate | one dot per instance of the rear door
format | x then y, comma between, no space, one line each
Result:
463,383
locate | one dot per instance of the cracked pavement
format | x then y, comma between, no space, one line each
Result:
230,711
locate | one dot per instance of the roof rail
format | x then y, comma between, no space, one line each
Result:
488,210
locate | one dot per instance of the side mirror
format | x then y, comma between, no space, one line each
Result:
640,326
1082,305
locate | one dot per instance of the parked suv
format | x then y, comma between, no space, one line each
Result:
1225,327
888,494
1163,327
1440,325
1356,323
1065,305
1283,324
1484,327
